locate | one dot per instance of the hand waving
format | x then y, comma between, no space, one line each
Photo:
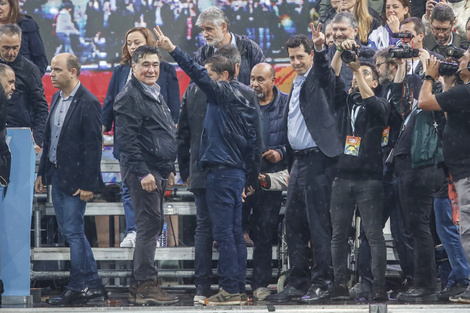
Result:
163,41
318,37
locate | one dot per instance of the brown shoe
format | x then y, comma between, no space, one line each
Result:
149,293
248,241
132,293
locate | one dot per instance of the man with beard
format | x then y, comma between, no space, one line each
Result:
442,34
215,30
267,204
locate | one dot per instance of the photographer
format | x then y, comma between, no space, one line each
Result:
417,157
455,102
361,118
345,26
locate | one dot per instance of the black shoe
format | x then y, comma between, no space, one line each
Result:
418,295
67,297
335,292
95,294
287,294
455,289
379,293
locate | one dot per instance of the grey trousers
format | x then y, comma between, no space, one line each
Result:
148,207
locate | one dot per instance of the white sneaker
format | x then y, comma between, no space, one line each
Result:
261,293
129,240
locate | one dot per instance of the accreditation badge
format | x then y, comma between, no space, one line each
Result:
352,145
385,136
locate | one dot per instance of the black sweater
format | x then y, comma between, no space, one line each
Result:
369,125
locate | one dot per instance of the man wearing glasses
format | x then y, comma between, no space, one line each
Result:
442,34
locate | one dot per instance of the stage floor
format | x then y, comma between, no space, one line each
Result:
118,303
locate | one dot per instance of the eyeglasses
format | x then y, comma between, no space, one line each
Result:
440,30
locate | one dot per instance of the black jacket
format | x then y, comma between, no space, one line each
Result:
145,131
249,50
32,46
316,98
27,106
79,146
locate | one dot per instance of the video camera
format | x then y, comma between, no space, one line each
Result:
448,69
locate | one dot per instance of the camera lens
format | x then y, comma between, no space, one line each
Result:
348,56
448,69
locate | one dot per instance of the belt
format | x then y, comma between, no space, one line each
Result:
218,167
306,152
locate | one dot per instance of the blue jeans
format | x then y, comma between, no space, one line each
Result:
70,212
202,241
128,209
463,189
223,194
450,238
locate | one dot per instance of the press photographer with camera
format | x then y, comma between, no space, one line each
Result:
345,26
361,119
417,158
455,101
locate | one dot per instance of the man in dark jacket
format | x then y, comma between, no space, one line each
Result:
267,204
314,143
214,25
190,126
147,137
27,106
71,164
229,149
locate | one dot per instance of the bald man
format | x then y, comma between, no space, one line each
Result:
70,162
266,204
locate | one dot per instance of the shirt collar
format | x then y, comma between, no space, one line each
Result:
72,94
300,78
153,90
232,42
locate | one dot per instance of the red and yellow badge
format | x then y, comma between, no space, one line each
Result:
352,145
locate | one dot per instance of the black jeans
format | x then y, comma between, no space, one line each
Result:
416,187
400,234
265,220
368,195
148,207
308,218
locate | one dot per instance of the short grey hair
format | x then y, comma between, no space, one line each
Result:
345,17
212,15
10,30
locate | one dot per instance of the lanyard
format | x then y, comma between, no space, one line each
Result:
354,113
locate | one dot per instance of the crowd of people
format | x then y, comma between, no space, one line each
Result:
376,123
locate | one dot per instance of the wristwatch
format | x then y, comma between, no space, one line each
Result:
429,77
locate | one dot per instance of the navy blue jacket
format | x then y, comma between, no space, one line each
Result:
316,99
169,89
231,133
277,130
79,147
27,106
32,46
250,52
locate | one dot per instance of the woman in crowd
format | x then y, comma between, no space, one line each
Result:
395,12
367,18
168,82
32,46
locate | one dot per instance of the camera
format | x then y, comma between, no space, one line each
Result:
455,52
448,69
403,52
403,35
349,56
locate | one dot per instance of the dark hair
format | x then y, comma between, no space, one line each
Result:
74,62
442,13
142,51
14,13
297,40
219,64
149,41
10,30
405,4
418,24
230,52
375,74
